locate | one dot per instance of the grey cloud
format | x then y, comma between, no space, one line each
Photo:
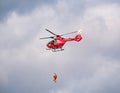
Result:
24,6
101,2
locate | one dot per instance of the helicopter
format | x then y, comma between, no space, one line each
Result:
57,42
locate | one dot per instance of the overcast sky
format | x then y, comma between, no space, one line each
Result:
89,66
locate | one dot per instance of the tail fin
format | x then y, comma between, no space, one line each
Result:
78,37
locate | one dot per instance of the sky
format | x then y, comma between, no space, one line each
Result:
89,66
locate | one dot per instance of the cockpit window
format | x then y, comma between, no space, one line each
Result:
52,41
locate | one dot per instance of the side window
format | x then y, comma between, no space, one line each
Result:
55,40
51,42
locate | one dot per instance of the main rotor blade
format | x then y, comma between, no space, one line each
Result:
69,33
46,37
50,32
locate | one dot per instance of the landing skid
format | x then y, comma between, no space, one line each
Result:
55,50
48,48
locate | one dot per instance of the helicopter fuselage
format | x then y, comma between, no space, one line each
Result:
58,41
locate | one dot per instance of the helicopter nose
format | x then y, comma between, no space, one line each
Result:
49,45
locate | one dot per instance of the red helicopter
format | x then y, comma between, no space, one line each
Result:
58,41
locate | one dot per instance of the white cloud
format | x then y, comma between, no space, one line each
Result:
101,23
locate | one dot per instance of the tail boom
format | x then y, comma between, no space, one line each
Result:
77,38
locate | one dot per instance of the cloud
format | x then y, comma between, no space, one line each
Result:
22,7
91,65
105,22
3,79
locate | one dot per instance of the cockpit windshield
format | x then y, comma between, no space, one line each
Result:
51,42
